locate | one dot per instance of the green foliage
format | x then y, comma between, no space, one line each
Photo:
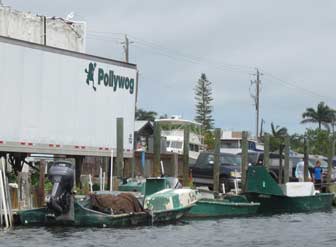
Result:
203,97
277,137
323,116
318,142
141,114
209,140
297,142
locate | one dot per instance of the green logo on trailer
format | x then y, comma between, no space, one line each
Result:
90,75
108,79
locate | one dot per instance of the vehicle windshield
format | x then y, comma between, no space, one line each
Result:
228,159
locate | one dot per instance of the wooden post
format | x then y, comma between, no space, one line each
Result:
133,158
120,147
186,137
174,162
306,159
157,149
266,150
280,178
286,166
244,160
41,183
330,160
216,161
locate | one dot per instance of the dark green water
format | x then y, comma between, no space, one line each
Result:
316,229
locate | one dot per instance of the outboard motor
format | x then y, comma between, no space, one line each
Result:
61,174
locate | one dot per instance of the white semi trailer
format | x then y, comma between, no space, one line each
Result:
55,101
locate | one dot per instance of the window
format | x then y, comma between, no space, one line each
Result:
251,145
176,144
227,159
193,147
229,144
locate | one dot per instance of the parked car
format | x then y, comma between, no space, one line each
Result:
257,158
202,170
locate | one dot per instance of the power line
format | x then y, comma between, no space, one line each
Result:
179,56
292,85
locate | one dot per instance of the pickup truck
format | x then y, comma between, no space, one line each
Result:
202,170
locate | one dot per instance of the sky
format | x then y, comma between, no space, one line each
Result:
292,43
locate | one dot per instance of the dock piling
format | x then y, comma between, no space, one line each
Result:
286,165
216,161
330,160
266,150
186,136
244,160
120,147
157,149
306,159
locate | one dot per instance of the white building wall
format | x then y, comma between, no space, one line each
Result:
26,26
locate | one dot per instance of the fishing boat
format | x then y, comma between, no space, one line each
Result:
294,197
107,209
225,207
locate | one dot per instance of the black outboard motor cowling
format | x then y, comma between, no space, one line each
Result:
61,174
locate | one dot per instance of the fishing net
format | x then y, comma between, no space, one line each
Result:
116,204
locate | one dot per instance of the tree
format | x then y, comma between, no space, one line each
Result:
277,136
203,97
278,132
141,114
323,115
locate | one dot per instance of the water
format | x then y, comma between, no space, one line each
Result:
316,229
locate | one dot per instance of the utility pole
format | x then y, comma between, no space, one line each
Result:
256,97
126,47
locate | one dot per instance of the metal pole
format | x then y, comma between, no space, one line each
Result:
216,161
244,159
186,136
266,150
286,166
157,149
120,147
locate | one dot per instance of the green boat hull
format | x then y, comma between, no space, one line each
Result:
271,204
206,208
262,188
84,217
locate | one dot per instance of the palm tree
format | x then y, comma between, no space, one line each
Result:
324,115
145,115
278,132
